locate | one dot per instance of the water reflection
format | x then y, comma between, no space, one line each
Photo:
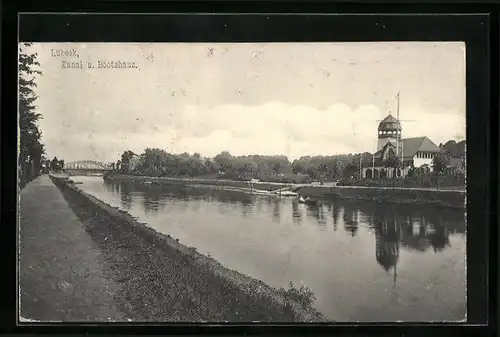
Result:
387,236
415,231
125,191
296,214
346,252
350,220
151,199
276,209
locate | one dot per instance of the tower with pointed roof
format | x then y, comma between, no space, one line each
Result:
413,152
389,130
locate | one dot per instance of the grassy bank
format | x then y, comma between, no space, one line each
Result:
163,280
444,198
268,186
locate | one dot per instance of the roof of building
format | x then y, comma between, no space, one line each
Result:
418,144
410,148
389,123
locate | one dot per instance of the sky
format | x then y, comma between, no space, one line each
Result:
291,99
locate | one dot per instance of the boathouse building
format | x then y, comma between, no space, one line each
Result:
412,152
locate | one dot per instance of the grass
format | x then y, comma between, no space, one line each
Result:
303,295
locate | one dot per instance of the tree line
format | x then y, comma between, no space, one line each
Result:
32,154
31,147
158,162
54,165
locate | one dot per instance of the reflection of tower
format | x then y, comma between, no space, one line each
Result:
387,244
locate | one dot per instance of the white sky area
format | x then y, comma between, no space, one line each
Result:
261,98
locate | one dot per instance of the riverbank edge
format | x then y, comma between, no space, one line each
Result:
242,281
406,196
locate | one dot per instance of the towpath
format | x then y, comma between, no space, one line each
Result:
61,271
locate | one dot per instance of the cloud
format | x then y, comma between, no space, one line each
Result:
279,128
292,99
274,128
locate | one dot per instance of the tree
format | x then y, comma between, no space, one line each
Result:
30,137
125,159
392,162
223,160
350,170
441,161
54,164
209,166
461,148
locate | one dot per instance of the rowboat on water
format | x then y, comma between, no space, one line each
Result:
307,201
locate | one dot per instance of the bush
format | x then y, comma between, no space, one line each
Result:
303,295
424,181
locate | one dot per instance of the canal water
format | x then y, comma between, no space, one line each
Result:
363,261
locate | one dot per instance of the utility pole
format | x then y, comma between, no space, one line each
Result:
360,163
360,166
373,164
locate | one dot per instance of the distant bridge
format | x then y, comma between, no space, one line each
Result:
86,167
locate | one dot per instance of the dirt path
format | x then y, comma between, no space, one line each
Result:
79,263
61,272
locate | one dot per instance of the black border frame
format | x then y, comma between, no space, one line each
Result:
479,31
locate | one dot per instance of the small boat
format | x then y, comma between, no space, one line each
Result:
308,201
287,194
148,182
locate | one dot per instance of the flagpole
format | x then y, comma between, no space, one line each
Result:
360,169
397,111
398,135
